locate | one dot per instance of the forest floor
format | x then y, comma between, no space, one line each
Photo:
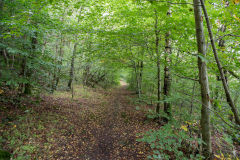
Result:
94,125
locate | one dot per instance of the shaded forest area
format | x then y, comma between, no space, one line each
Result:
119,79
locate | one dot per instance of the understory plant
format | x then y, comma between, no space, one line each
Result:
172,141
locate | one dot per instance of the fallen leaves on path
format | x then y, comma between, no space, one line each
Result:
101,126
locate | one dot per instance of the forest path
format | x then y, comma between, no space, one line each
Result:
100,126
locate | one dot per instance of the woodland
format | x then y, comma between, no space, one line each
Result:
119,79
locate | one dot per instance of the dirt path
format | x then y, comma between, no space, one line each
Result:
102,127
95,125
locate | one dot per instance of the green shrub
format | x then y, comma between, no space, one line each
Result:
172,141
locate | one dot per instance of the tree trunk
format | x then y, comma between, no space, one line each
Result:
29,71
158,64
86,74
136,68
59,62
216,93
5,57
140,79
72,67
167,74
221,44
138,74
203,80
22,74
192,99
220,68
73,59
55,70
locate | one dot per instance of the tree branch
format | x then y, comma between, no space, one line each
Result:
231,35
186,77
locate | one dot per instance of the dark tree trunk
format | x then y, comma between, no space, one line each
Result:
140,79
72,67
158,63
29,71
167,74
136,68
55,70
22,74
59,69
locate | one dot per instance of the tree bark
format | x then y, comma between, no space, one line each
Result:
29,71
60,62
167,74
5,57
136,68
140,78
72,61
220,68
203,80
192,99
216,93
138,74
55,69
72,67
86,74
158,63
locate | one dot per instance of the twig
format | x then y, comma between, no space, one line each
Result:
193,79
172,2
231,35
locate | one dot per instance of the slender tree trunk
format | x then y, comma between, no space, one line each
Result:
86,75
138,74
72,66
203,80
158,63
29,71
193,91
167,77
70,85
221,44
167,74
22,74
220,68
5,57
59,62
23,61
140,78
13,61
136,68
55,69
216,93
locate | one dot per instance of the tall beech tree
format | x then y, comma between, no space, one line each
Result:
157,39
203,80
167,73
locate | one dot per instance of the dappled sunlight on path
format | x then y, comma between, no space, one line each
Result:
123,83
